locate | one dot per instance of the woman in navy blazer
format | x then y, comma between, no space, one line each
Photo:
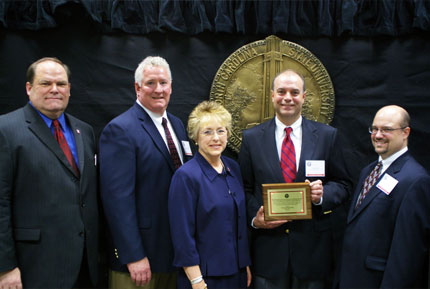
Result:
207,208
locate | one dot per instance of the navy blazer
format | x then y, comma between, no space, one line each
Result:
48,215
135,173
208,218
408,265
306,244
369,233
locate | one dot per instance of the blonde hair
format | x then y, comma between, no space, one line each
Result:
205,112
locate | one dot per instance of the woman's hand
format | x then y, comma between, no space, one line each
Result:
248,276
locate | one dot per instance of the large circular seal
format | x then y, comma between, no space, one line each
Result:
243,84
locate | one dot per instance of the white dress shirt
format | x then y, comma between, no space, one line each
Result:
157,120
296,137
388,161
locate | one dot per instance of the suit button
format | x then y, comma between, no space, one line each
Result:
116,254
287,231
83,205
81,233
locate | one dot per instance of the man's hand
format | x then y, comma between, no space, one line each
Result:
261,224
11,279
140,272
317,191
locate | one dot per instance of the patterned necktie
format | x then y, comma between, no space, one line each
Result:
59,136
369,182
171,144
288,157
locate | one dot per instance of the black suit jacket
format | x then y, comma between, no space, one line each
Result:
307,245
47,214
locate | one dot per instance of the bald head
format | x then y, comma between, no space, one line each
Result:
397,112
289,72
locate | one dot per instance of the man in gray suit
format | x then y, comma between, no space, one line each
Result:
48,188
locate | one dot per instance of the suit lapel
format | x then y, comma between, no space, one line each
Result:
270,150
309,139
394,168
179,132
153,132
78,142
41,130
352,211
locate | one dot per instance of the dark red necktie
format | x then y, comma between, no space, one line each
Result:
288,157
369,182
171,144
59,136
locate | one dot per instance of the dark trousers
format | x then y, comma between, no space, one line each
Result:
287,281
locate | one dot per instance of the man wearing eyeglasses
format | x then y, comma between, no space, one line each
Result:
387,235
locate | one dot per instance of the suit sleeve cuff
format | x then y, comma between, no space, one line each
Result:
316,204
252,223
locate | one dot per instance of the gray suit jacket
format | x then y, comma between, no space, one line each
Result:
47,214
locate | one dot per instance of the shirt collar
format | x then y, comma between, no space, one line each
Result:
48,121
281,127
388,161
156,118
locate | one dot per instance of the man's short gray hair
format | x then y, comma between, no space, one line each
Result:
150,61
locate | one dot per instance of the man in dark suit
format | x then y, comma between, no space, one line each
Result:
48,188
386,239
295,254
139,152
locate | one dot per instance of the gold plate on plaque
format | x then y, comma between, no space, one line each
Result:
287,201
243,84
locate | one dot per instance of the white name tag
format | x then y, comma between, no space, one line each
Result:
315,169
187,148
387,184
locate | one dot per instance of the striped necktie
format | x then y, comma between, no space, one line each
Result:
288,157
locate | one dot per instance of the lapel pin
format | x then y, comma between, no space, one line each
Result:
78,131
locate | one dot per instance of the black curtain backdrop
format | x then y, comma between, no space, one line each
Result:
294,17
376,52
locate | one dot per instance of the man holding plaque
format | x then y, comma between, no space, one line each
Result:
290,149
387,237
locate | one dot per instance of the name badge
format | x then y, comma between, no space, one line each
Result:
387,184
315,169
187,148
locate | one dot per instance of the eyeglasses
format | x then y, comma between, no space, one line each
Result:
383,130
209,132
